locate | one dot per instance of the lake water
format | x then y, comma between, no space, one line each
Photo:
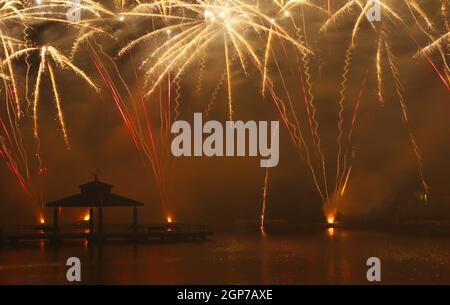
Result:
329,257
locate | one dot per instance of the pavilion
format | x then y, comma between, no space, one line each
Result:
95,194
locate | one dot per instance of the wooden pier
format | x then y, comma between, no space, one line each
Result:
97,196
143,234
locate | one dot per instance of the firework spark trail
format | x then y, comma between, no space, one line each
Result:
436,44
296,130
347,165
197,27
309,104
345,75
341,166
344,186
5,130
46,53
6,48
85,37
58,105
264,202
415,10
199,86
134,105
337,15
163,131
380,71
133,124
444,12
307,107
292,128
215,93
16,133
414,6
266,60
297,135
169,100
282,112
217,88
4,151
312,114
406,29
443,79
147,123
399,89
157,162
18,18
13,169
189,47
116,97
28,42
298,139
177,110
177,48
36,105
232,19
129,122
425,53
281,108
309,98
357,106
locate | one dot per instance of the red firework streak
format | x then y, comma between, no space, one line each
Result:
116,96
439,73
358,102
156,161
433,65
151,138
140,146
9,162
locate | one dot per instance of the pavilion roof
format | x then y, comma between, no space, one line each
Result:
95,194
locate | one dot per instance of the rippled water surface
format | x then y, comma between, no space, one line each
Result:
330,257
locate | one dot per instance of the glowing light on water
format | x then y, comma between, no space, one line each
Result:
330,232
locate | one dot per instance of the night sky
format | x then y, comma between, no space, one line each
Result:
228,189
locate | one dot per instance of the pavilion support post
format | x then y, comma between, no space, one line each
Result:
56,220
135,219
100,221
91,220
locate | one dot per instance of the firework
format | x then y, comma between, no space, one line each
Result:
17,21
189,29
269,39
393,15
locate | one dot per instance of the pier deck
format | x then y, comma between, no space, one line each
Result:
142,235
